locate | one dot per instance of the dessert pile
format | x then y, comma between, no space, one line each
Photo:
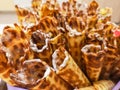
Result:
68,46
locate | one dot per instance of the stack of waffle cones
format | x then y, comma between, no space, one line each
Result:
68,46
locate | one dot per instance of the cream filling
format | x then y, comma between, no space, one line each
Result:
86,48
72,32
56,67
47,40
34,46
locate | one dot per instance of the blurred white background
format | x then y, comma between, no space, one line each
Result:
7,13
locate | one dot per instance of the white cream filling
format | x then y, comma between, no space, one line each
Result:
72,32
87,47
34,46
56,67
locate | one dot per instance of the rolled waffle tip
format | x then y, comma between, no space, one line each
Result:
68,70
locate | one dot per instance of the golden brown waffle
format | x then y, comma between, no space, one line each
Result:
37,75
93,58
83,33
63,64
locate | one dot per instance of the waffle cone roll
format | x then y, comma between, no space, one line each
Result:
65,67
87,88
103,85
41,46
111,57
100,85
45,39
44,46
76,41
5,69
37,75
62,45
21,13
36,4
93,57
92,8
15,45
